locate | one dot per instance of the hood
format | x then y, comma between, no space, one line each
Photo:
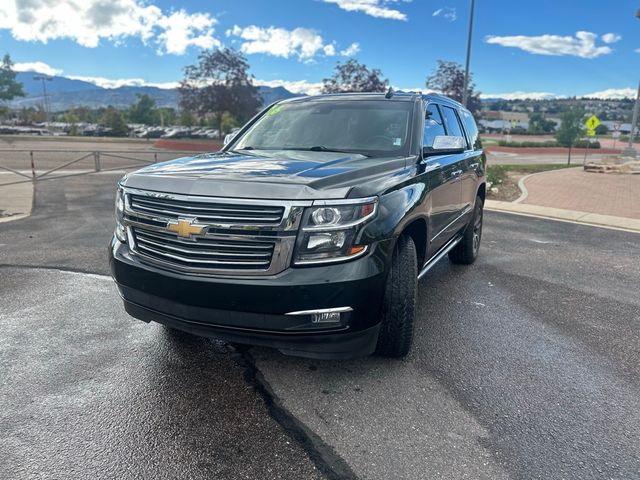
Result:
285,174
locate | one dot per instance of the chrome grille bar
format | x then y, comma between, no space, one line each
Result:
241,237
206,211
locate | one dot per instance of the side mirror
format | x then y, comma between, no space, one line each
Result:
228,137
445,145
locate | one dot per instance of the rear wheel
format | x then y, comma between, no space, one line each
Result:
399,304
466,252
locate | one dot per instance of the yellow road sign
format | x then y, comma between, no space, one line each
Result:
591,133
593,122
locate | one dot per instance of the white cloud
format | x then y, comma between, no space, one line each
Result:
522,95
88,22
122,82
374,8
303,43
182,30
611,38
329,50
37,67
351,50
295,86
582,45
637,50
613,93
447,13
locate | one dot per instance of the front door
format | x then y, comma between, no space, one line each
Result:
443,177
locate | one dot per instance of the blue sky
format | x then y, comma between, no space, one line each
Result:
556,47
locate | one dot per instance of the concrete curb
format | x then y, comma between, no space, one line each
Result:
16,200
572,216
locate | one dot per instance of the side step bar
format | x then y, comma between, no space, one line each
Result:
437,257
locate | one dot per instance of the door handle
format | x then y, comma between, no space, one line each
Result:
456,173
473,166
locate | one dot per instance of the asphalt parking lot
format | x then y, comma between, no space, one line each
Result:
525,365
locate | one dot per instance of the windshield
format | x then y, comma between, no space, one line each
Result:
371,127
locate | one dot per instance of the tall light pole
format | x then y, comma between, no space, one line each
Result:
44,78
465,92
636,108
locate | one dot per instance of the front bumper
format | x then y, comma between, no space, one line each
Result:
253,310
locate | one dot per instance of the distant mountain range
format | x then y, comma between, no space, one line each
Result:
65,93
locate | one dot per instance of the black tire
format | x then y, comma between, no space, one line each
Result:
399,304
466,252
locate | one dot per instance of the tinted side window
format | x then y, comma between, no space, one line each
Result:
451,122
472,130
433,125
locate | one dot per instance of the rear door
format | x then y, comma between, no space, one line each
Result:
443,179
474,162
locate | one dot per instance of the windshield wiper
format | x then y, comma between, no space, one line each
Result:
322,148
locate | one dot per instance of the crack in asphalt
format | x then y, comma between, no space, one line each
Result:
325,458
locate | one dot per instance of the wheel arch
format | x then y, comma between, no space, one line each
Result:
482,191
417,230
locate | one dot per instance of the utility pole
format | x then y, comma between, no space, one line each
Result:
44,78
634,121
465,92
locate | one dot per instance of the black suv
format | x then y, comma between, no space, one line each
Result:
309,230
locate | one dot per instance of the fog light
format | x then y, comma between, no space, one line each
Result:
326,317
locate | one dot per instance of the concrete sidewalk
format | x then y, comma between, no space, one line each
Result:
16,200
574,189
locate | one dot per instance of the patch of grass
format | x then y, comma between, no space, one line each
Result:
529,144
488,142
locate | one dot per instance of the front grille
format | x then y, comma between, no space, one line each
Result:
208,212
205,253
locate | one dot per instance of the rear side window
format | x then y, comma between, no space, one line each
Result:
472,130
433,125
451,122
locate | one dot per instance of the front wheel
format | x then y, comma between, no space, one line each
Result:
399,304
466,252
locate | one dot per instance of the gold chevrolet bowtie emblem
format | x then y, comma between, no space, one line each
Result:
184,227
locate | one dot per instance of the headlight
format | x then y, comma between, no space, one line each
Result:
329,231
121,231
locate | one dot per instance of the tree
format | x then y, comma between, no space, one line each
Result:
228,122
143,110
187,118
448,79
9,87
569,129
219,83
352,76
113,119
538,124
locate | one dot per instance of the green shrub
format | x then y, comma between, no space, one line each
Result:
547,144
587,144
